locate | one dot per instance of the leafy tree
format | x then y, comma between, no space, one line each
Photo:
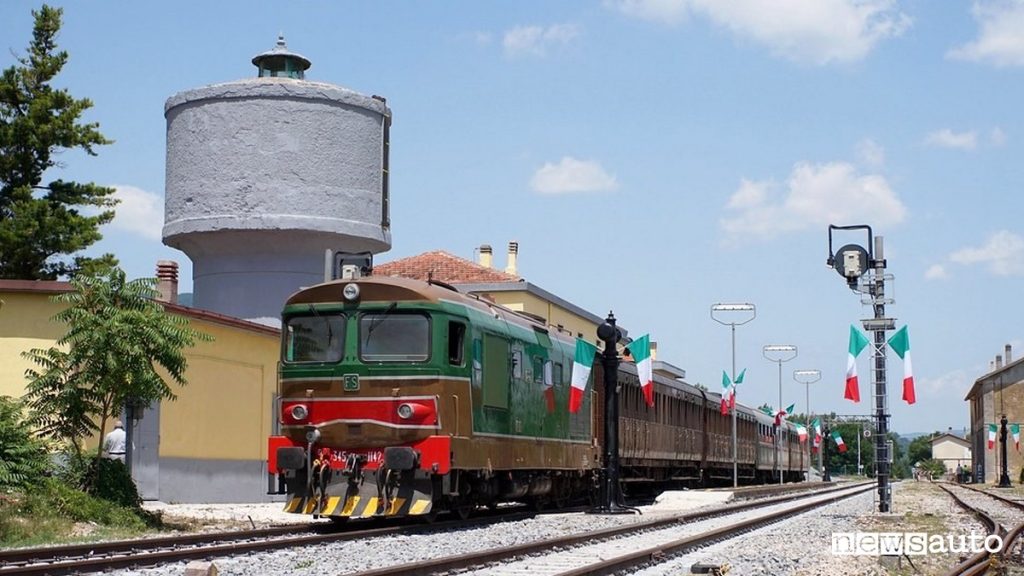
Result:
117,334
40,224
920,448
23,458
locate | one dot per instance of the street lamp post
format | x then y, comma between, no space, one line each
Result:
807,377
744,309
779,353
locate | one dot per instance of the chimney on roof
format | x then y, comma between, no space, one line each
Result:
654,351
1006,356
513,254
167,281
485,255
999,361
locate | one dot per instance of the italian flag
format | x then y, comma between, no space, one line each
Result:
729,391
992,436
782,414
549,385
640,349
816,424
1015,430
581,365
900,343
839,441
857,343
802,433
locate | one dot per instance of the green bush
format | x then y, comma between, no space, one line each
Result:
115,484
23,458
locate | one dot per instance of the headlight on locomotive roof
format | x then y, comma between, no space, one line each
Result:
405,411
350,292
299,412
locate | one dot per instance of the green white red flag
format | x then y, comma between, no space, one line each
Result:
802,433
640,349
839,441
992,436
783,414
816,425
857,343
581,365
726,392
900,343
1015,430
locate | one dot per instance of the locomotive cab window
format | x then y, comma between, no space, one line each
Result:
456,343
316,338
394,337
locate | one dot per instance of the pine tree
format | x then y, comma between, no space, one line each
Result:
41,227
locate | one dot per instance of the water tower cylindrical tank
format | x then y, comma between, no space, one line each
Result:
265,174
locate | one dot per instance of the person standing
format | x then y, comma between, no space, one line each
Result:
114,444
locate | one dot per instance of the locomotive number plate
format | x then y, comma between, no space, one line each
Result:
351,382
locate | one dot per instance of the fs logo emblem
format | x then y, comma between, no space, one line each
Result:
351,382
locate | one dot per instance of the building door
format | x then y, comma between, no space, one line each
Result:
146,453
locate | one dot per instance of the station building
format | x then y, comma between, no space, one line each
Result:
952,450
999,392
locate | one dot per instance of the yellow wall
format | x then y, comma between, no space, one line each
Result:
24,324
526,302
223,413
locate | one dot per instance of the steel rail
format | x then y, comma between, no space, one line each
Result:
464,561
980,563
152,551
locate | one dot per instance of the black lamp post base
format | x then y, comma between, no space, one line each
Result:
1004,481
613,508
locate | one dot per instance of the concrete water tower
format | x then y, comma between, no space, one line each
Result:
265,174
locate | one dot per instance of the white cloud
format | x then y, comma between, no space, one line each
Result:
815,195
946,138
572,175
140,212
871,153
936,272
1000,40
997,137
955,383
815,31
1003,254
536,40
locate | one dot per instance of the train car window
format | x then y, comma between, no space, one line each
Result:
477,374
538,370
556,374
456,343
496,370
316,338
517,364
394,337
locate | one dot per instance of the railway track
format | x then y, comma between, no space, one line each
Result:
101,556
621,548
1005,519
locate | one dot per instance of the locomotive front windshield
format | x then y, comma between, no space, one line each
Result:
317,338
394,337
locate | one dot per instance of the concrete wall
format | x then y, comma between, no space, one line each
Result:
265,174
993,401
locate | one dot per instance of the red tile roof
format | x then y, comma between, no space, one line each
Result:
444,267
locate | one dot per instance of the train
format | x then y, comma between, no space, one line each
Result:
402,397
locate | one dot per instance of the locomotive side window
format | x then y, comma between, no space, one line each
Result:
317,338
456,343
394,337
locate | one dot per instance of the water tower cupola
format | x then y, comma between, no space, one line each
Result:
281,63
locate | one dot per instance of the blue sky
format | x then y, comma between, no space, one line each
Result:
651,157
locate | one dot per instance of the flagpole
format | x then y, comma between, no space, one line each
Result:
807,377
